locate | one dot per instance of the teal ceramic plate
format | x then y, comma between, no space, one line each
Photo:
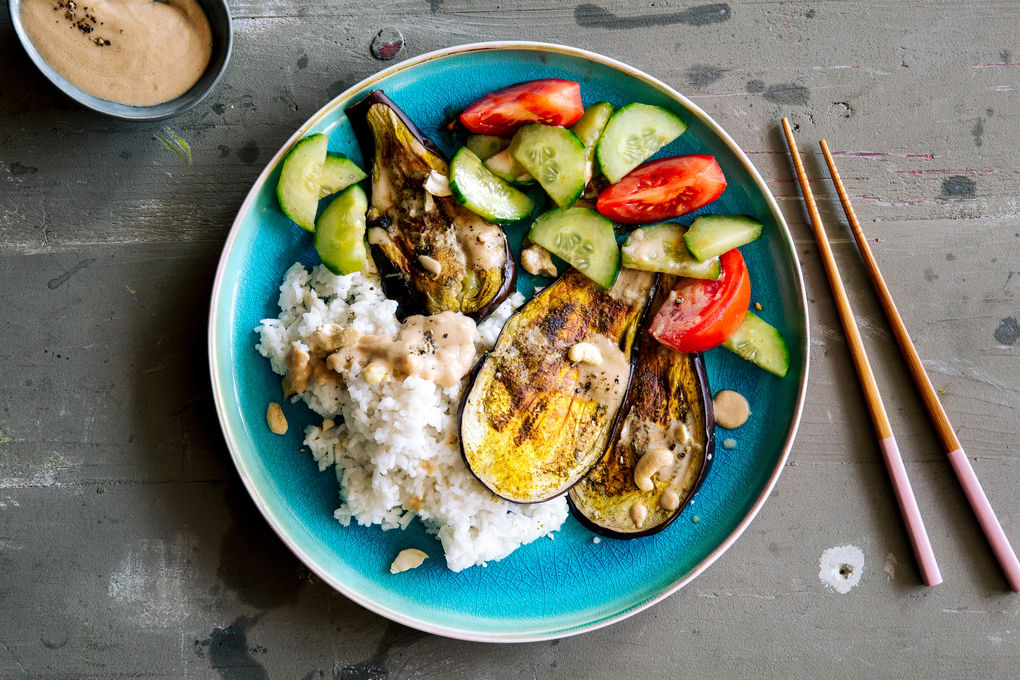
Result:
550,588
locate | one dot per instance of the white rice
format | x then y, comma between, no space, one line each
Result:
390,434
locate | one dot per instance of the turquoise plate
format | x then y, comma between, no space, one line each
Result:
550,588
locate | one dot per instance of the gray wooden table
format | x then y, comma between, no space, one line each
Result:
128,547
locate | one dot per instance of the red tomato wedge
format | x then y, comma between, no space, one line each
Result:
552,101
663,189
700,314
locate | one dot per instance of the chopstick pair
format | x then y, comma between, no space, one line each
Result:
887,443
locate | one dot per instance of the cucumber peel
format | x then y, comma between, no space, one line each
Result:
340,232
633,135
554,156
660,248
483,193
760,343
301,179
713,235
338,173
582,237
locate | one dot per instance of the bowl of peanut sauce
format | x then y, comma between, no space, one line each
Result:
130,59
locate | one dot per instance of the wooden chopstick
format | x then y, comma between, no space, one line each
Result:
961,464
887,443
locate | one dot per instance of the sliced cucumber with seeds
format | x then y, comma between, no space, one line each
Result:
504,166
712,235
582,237
486,146
660,248
633,135
589,130
484,193
338,173
300,180
553,156
340,232
761,344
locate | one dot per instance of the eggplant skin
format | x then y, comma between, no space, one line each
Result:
533,422
477,270
668,405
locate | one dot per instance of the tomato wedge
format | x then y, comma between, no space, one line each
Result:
552,101
700,313
663,189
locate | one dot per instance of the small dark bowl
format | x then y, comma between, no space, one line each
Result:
222,40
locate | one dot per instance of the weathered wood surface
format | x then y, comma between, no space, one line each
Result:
128,547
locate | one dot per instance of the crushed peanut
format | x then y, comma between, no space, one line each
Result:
431,265
585,352
536,261
409,558
331,337
275,419
374,373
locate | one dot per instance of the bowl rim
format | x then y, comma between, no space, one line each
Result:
100,105
274,521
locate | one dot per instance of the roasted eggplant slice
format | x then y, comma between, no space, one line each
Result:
661,447
542,405
447,257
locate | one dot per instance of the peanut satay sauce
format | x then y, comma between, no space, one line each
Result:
134,52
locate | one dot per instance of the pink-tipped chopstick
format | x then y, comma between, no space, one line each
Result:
961,464
887,443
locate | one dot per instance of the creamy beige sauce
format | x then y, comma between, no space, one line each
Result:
605,382
440,348
135,52
731,409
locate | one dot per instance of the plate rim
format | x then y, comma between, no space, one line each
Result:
273,520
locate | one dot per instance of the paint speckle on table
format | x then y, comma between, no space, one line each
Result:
594,16
841,568
387,43
958,186
890,567
1007,332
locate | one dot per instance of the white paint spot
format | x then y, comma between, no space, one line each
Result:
9,503
44,474
841,568
890,567
150,581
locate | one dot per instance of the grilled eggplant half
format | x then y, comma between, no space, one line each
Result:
661,446
438,255
542,405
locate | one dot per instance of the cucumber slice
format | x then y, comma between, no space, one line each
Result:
589,130
761,344
340,232
338,173
582,237
713,235
486,146
660,248
504,166
300,178
553,156
484,193
633,135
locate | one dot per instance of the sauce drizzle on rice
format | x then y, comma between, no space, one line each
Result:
394,444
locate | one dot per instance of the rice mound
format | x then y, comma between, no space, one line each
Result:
395,444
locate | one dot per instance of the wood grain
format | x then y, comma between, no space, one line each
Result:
127,545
